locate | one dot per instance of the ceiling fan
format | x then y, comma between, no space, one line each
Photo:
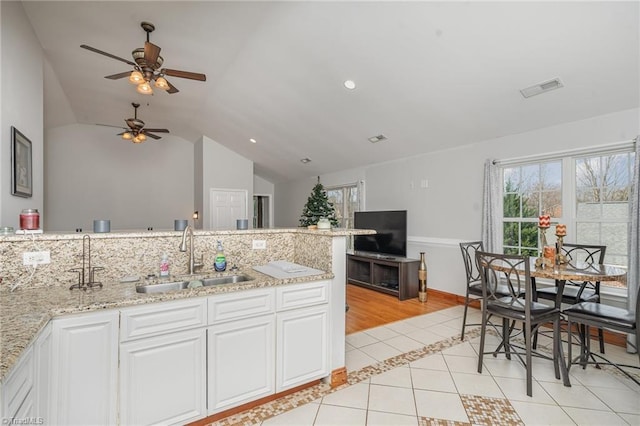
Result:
136,132
146,67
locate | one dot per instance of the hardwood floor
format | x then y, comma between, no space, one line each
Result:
369,308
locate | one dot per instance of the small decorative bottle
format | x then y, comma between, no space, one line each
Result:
220,262
164,266
422,279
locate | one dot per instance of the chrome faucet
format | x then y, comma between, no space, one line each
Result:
193,265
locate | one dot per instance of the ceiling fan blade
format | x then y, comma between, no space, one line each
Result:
110,125
151,53
157,130
172,88
93,49
119,75
184,74
151,135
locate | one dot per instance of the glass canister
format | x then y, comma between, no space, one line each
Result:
30,219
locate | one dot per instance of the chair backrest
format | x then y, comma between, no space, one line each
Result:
469,257
504,271
590,255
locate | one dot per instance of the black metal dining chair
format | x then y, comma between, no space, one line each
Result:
474,282
593,314
518,305
577,291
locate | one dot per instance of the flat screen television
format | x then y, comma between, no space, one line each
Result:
391,236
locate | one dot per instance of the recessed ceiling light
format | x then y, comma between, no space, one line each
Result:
539,88
378,138
252,140
350,84
305,160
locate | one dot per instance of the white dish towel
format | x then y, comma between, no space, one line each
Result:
284,269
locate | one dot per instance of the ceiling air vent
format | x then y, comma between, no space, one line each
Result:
374,139
542,87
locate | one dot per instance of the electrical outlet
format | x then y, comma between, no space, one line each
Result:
36,257
259,244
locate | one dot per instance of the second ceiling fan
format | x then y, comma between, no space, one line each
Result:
147,67
136,132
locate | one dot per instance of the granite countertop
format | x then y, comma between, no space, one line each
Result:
52,235
24,312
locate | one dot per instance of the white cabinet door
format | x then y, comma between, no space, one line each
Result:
84,369
241,362
302,346
163,379
17,389
42,355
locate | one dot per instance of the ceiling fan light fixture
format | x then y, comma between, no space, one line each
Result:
127,136
161,83
142,137
137,139
145,88
136,77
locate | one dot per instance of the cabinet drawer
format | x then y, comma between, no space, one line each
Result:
241,304
158,318
301,295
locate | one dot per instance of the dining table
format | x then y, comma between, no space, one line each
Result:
560,273
576,271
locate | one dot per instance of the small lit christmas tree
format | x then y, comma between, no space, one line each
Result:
317,207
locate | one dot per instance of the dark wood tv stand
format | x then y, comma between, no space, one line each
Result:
387,274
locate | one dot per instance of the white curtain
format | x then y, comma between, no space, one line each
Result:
492,207
634,243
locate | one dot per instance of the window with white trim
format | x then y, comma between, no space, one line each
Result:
587,192
346,201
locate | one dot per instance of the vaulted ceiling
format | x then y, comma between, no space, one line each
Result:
429,75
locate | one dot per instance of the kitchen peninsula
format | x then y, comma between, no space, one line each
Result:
97,347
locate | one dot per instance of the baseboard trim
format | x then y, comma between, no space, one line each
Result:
249,405
450,297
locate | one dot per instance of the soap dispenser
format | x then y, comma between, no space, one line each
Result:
164,265
220,262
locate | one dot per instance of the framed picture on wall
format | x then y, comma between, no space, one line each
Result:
21,165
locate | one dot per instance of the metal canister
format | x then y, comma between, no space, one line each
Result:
30,219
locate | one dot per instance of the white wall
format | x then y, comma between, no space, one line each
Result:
21,105
94,174
221,169
449,209
198,180
262,186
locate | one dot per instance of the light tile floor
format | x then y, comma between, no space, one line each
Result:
418,372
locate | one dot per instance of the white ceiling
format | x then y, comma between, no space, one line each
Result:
429,75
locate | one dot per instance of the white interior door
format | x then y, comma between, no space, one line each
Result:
226,206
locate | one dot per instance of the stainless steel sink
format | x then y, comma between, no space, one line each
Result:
181,285
162,287
226,280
